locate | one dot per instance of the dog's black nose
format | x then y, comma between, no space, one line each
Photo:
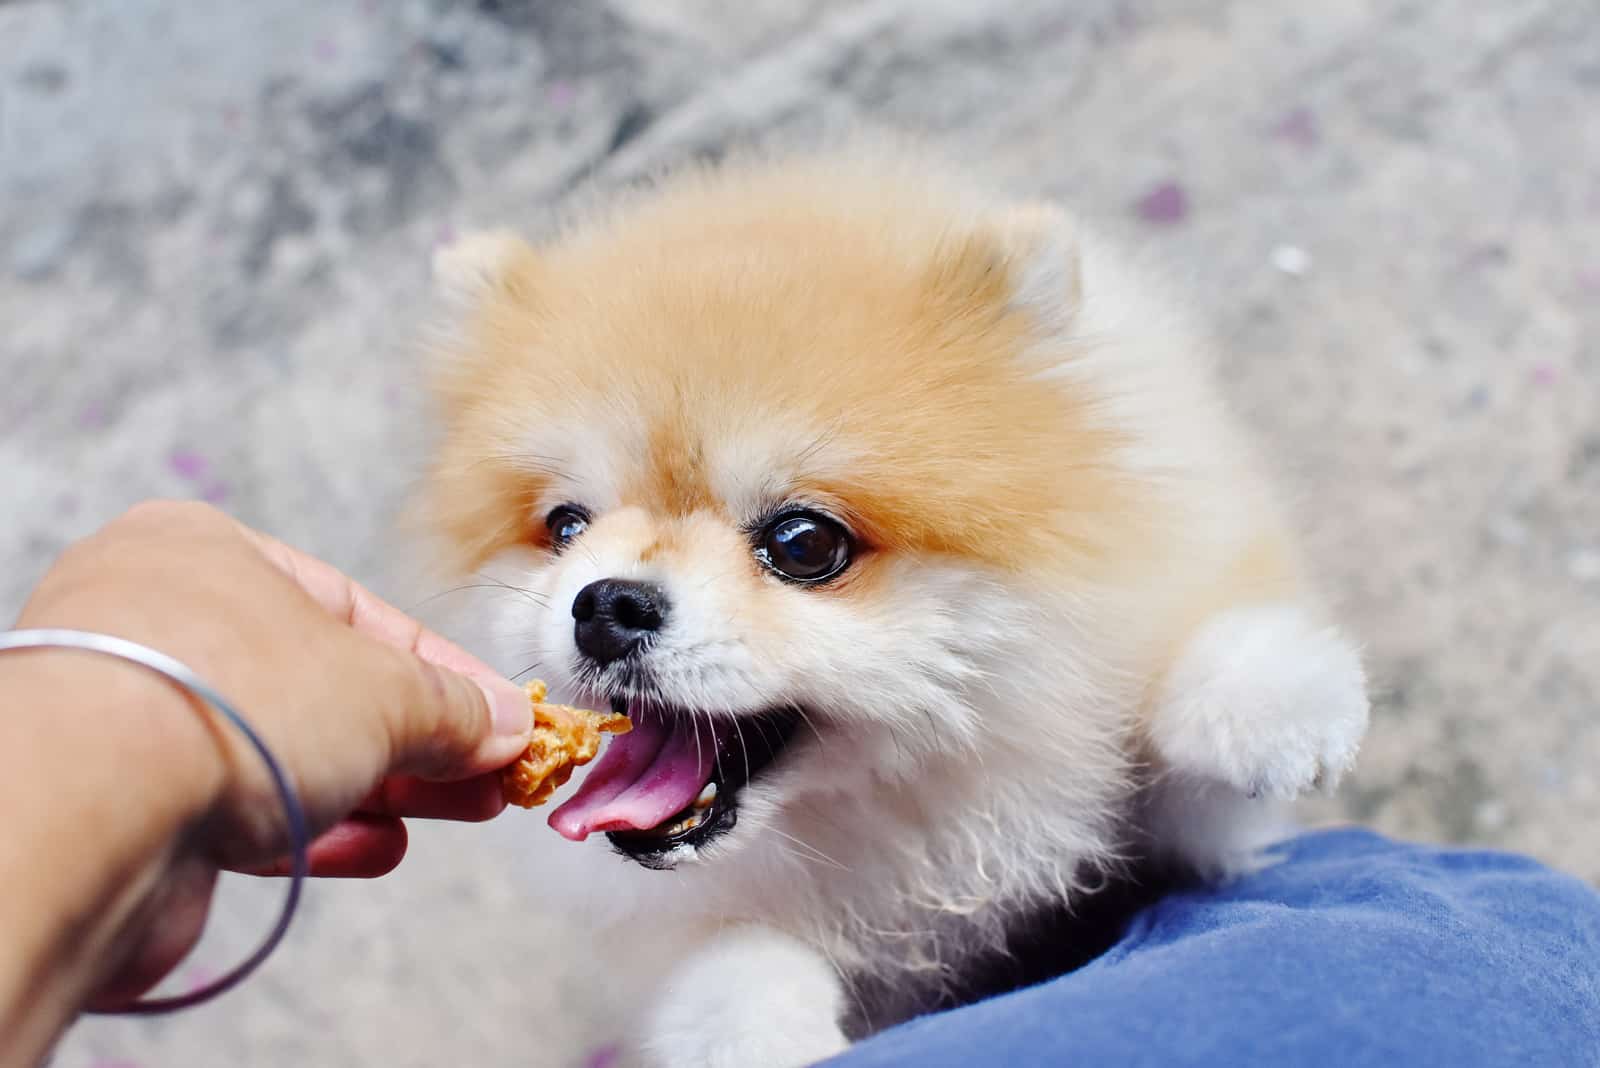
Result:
614,616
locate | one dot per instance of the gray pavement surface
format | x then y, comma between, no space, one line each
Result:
214,227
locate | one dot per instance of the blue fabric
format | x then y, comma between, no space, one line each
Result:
1354,951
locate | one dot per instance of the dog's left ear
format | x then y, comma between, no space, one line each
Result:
474,266
1043,262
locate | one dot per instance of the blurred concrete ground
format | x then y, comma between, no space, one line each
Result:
214,226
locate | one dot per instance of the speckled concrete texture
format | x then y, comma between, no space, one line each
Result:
214,227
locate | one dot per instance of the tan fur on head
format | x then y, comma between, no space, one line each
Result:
1073,629
888,339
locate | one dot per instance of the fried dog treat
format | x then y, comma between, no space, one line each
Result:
563,738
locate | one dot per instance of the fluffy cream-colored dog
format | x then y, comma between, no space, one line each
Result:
907,525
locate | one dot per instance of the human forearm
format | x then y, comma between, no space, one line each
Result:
78,864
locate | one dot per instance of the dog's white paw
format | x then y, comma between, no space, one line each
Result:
1265,700
751,997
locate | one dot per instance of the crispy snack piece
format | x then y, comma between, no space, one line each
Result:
563,738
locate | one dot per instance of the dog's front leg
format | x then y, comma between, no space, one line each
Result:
1264,703
751,996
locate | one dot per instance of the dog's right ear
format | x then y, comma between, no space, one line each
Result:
477,265
480,278
467,510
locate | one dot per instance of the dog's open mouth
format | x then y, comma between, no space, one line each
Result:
673,781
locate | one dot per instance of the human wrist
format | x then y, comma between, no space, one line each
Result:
123,726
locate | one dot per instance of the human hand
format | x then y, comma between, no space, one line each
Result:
373,717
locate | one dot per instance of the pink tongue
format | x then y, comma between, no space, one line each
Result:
646,775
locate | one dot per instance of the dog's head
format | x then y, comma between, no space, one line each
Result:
775,459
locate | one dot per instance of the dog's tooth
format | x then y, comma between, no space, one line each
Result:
688,823
708,795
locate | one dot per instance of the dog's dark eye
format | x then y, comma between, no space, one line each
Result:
564,524
804,547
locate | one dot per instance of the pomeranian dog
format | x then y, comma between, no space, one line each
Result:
907,525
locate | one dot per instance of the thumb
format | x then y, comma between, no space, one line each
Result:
444,725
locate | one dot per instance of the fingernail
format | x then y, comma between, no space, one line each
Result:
512,712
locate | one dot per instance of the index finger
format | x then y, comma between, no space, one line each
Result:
366,612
